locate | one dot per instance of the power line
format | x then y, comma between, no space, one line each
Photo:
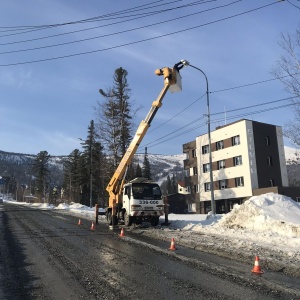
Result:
176,131
118,13
177,113
246,85
170,136
293,4
105,18
115,33
255,105
222,90
212,121
136,42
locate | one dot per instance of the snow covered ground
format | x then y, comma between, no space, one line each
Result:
267,225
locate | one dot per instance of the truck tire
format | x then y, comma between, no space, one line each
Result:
112,220
154,221
127,219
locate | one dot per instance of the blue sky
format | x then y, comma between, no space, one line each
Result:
48,105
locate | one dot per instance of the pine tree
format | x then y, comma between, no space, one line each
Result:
93,158
100,175
73,168
146,166
169,185
138,171
174,185
40,169
109,127
121,91
130,172
114,117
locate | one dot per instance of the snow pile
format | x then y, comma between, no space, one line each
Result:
193,222
73,206
269,212
63,206
77,209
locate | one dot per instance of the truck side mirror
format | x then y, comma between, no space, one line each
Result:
128,191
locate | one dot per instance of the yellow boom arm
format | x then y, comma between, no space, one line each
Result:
172,80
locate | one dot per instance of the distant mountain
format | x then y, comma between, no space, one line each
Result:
19,165
163,165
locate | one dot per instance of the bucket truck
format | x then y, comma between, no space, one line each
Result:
140,199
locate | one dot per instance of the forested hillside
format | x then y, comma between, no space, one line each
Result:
18,167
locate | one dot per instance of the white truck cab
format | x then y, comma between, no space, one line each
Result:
142,201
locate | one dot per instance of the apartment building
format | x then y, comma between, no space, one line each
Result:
246,156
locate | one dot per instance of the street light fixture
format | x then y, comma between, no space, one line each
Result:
181,64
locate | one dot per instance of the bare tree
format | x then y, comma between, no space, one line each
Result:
287,70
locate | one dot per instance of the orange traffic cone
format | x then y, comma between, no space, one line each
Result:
172,247
257,268
93,226
79,222
122,232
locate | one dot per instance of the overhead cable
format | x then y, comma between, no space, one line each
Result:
135,42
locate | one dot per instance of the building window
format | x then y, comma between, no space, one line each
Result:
235,140
207,186
186,173
270,162
271,182
206,168
187,155
205,149
188,189
221,164
239,181
222,184
237,160
192,207
194,153
196,188
267,139
219,145
195,171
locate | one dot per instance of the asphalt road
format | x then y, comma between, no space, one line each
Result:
46,255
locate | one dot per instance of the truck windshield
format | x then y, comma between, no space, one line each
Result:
146,191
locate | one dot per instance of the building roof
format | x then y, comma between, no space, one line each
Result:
181,183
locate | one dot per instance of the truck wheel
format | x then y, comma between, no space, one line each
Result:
112,220
127,219
154,221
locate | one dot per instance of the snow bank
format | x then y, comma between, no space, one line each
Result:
269,212
74,206
40,205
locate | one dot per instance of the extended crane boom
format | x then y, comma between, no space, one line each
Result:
116,209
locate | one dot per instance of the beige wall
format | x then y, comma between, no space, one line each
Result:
283,168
